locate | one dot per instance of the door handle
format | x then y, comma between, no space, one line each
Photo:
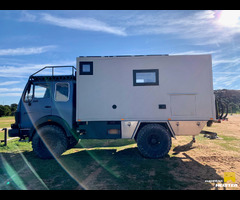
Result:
47,106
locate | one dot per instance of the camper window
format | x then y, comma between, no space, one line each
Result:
145,77
86,68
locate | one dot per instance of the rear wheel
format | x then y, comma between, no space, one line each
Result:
154,141
49,141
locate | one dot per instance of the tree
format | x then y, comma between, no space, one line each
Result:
2,111
13,108
7,110
230,97
233,107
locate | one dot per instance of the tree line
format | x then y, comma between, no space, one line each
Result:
6,110
231,98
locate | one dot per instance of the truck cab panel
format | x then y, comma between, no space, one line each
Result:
45,97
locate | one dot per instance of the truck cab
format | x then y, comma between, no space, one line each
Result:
47,101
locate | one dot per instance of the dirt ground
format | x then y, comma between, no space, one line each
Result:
117,164
206,161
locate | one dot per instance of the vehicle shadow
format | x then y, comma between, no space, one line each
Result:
102,169
183,148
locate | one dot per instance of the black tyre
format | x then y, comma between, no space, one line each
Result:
72,141
154,141
49,141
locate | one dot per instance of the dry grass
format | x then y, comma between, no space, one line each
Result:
212,157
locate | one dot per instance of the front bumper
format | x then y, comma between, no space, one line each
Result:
13,133
16,132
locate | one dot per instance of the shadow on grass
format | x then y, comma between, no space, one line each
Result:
101,169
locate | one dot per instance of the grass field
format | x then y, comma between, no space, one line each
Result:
5,122
117,164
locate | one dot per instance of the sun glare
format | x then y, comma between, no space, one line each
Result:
229,18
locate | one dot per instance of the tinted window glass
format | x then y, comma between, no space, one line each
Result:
145,77
41,91
62,92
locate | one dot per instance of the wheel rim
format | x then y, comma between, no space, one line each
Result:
154,141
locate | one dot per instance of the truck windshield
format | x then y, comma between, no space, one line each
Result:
29,93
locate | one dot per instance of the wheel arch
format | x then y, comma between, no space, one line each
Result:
51,120
165,124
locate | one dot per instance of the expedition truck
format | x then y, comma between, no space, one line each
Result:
149,98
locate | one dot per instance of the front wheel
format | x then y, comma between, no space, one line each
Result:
49,141
154,141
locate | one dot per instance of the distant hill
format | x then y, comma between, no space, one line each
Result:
232,97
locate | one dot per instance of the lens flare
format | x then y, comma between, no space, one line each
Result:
229,18
13,175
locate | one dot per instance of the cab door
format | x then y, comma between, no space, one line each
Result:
37,103
63,101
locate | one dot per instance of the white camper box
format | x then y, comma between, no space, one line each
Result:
176,90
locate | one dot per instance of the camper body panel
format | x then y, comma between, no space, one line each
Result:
184,90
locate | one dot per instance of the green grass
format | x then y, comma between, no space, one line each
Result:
92,164
4,123
228,138
229,143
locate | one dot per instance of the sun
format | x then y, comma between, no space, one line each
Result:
229,18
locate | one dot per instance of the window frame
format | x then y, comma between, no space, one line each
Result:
56,93
81,72
135,71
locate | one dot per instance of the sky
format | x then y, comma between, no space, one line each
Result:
32,39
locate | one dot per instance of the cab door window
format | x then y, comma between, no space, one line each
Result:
41,90
62,91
